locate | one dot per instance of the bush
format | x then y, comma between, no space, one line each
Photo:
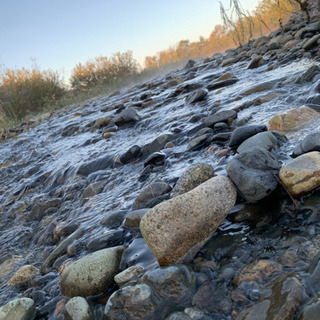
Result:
29,90
103,70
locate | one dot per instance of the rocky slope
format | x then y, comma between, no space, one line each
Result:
191,196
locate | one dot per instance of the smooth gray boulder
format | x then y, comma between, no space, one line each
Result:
176,226
18,309
129,115
252,171
241,134
196,96
92,274
310,143
269,140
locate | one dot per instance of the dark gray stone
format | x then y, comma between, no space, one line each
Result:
155,159
269,140
309,143
132,154
253,173
101,163
128,115
221,116
243,133
157,144
222,83
196,96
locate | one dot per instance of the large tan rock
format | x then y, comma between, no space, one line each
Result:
174,227
302,174
92,274
292,119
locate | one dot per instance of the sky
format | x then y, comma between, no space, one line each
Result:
58,34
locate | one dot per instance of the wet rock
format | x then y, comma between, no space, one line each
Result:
113,219
259,272
258,88
311,42
133,219
192,177
79,309
222,116
18,309
269,140
196,96
131,303
243,133
199,142
110,239
129,115
292,119
128,274
315,99
24,275
217,84
309,74
311,311
310,143
92,190
154,190
100,163
252,172
213,298
173,285
157,144
92,274
102,122
108,135
42,207
131,155
283,301
178,316
155,159
255,62
302,174
174,227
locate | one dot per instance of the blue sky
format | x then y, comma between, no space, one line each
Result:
61,33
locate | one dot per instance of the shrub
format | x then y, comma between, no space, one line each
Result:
29,90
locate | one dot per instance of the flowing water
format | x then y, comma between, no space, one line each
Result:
42,197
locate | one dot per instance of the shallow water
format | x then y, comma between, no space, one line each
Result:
41,165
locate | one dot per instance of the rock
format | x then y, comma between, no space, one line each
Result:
253,172
213,298
109,239
292,119
131,155
310,143
78,308
221,116
173,285
315,99
128,274
192,177
155,159
100,163
258,88
92,274
243,133
157,144
108,135
131,303
259,272
24,275
311,42
129,115
199,142
133,219
174,227
255,62
302,174
18,309
190,64
153,190
286,295
217,84
102,122
196,96
8,266
260,42
311,311
269,140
